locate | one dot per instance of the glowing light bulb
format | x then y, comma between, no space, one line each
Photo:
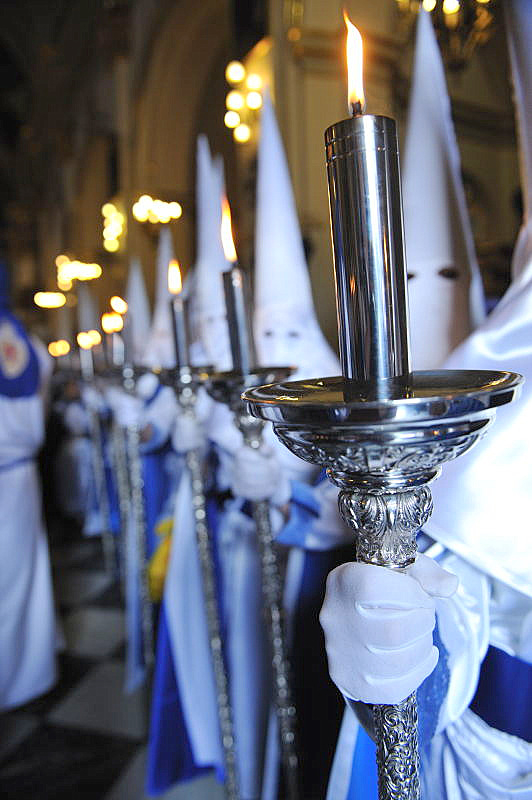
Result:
235,72
118,304
242,133
62,259
140,212
254,81
232,119
108,209
234,100
111,245
175,210
253,100
429,5
451,6
49,299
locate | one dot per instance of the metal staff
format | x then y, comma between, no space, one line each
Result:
185,381
98,464
227,388
126,441
381,431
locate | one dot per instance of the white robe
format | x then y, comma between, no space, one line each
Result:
27,619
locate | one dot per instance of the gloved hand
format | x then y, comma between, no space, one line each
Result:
188,434
127,409
76,419
92,398
257,475
378,627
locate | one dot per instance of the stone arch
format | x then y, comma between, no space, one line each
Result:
181,94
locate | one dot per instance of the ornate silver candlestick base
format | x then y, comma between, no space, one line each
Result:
227,387
382,444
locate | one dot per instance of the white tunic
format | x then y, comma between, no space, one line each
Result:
27,620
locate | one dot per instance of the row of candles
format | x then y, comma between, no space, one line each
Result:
115,326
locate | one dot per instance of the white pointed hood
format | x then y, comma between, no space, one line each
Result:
286,327
208,304
519,31
138,315
160,351
482,501
88,317
445,290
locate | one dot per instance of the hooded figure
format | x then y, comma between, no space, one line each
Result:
138,311
208,301
519,33
444,288
159,350
304,507
27,619
475,726
184,732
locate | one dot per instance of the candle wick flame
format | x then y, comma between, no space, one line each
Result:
356,100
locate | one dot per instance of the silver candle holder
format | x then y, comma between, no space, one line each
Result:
381,431
227,388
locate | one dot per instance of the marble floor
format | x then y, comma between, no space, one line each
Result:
86,739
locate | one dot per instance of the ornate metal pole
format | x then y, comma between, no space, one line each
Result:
98,467
185,381
382,432
130,483
227,387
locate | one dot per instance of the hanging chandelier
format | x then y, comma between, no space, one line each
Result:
460,25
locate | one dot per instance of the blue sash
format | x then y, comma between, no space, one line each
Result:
504,694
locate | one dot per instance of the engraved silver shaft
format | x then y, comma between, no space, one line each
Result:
187,398
272,592
119,458
386,524
137,509
98,467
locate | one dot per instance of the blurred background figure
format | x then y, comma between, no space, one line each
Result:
27,617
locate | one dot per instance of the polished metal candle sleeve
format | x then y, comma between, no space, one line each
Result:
179,327
367,236
238,302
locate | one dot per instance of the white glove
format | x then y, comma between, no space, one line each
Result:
257,475
75,419
127,409
188,434
378,627
92,398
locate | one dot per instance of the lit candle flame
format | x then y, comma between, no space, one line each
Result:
85,340
112,322
227,233
355,86
118,304
175,284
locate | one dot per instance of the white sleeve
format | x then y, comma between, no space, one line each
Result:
464,627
